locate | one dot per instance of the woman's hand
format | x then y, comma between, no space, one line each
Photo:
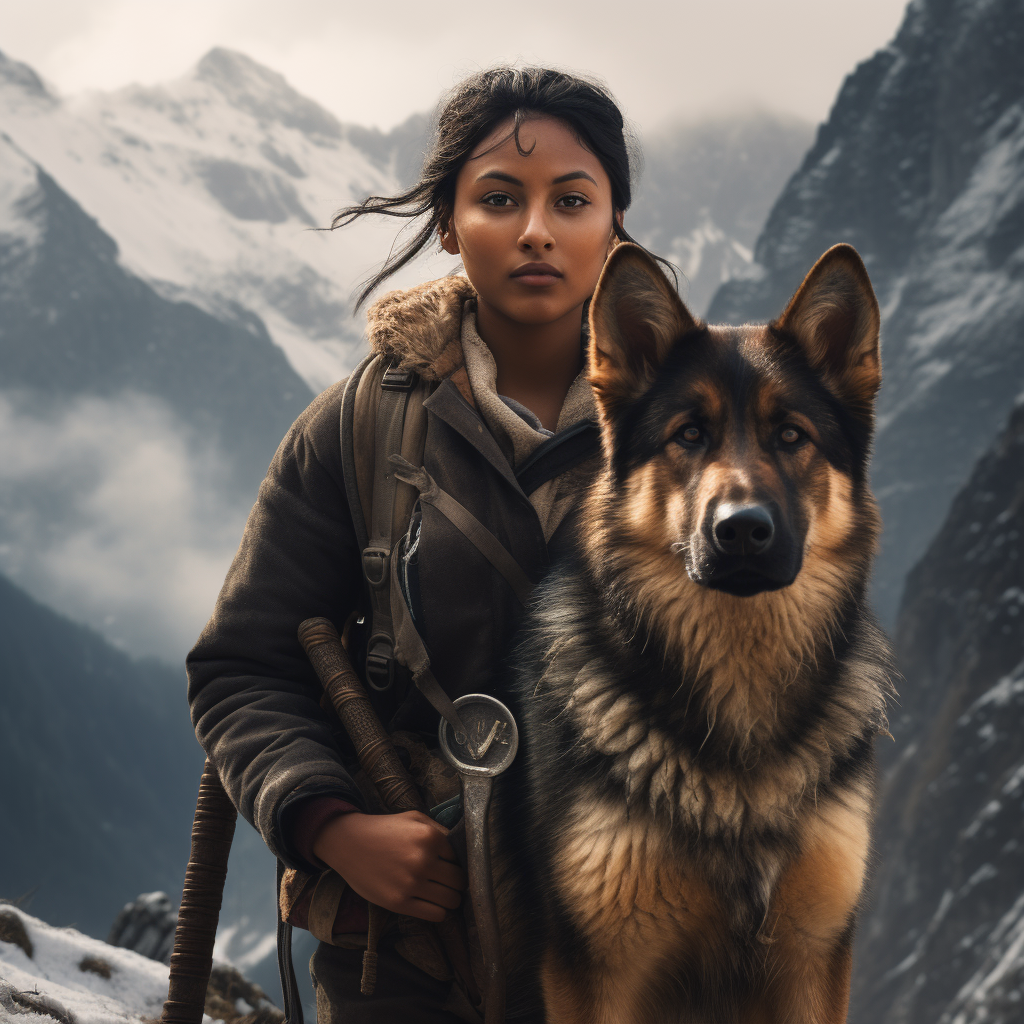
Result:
402,862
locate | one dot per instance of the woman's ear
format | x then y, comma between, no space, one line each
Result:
613,238
449,240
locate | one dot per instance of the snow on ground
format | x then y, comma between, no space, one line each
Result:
54,977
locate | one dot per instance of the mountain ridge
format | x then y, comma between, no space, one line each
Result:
921,167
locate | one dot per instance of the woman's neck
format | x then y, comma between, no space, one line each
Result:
536,363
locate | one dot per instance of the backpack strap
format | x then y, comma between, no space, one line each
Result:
395,408
394,411
349,471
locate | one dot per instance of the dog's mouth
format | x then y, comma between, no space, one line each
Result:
743,582
741,577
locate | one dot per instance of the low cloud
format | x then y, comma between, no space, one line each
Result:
113,513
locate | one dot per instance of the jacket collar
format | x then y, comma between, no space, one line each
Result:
422,326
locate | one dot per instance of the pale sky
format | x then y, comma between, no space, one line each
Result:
375,63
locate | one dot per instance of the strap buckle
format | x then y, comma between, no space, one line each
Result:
397,379
380,663
376,562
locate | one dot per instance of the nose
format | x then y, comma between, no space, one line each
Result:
536,234
743,529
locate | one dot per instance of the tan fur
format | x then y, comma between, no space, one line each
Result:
643,907
422,326
639,908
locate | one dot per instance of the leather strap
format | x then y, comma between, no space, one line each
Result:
467,524
399,426
285,967
348,461
412,653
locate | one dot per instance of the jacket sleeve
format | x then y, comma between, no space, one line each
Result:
253,695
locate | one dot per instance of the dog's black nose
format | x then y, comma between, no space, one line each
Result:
743,529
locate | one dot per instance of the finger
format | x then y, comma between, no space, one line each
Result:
447,853
448,874
423,909
426,819
442,848
442,895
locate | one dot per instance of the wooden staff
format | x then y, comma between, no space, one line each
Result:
212,831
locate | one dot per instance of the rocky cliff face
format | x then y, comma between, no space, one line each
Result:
921,167
944,941
99,768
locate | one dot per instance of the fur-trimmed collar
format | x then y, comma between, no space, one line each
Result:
422,326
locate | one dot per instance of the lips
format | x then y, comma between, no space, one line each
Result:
536,273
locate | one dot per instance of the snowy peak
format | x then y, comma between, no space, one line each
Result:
18,80
264,94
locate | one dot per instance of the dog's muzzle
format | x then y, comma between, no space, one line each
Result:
744,550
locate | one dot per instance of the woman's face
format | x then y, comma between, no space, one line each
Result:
533,231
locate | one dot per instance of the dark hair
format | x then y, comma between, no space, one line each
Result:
468,114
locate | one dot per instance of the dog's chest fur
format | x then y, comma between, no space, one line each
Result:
676,842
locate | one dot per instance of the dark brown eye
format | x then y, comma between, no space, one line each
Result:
790,435
690,435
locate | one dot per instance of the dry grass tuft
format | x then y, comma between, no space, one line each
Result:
12,929
95,965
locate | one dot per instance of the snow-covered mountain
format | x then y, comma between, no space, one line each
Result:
213,187
921,167
944,940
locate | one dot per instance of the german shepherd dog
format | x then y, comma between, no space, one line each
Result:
687,825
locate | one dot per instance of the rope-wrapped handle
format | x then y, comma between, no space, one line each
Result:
212,831
376,753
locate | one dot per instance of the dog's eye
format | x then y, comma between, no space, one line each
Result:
790,435
689,435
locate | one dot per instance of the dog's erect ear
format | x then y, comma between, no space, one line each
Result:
635,316
834,315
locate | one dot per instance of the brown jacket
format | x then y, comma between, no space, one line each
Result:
254,698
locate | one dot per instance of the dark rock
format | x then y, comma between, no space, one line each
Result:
146,925
231,997
95,965
944,940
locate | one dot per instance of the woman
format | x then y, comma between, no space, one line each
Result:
527,182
